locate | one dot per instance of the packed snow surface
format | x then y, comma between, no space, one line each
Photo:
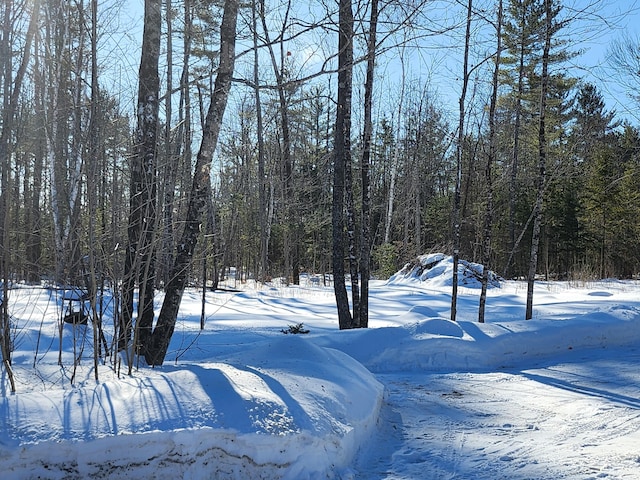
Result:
415,396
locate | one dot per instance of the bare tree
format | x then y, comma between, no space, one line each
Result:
515,152
623,57
342,158
168,168
139,267
64,130
290,228
200,188
365,242
542,156
92,183
12,90
459,146
491,159
396,154
262,184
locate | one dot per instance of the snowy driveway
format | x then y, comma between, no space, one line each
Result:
574,417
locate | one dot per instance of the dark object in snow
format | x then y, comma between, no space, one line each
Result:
295,329
75,312
76,318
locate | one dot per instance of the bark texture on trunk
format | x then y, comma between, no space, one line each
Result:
341,157
199,189
542,160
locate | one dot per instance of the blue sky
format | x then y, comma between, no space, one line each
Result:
439,67
624,16
600,23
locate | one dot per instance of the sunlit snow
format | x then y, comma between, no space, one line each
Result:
415,396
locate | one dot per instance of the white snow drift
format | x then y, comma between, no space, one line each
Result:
553,397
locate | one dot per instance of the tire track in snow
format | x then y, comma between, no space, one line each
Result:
563,421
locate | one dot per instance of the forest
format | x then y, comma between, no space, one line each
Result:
280,137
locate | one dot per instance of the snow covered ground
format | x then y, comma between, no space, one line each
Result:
415,396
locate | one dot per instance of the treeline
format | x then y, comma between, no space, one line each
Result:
68,138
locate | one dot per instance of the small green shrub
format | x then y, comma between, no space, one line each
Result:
295,329
385,258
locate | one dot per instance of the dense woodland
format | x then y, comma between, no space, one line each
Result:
327,139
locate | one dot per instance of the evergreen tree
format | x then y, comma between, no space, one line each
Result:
523,39
590,131
610,203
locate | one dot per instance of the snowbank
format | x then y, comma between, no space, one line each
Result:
284,408
242,400
438,344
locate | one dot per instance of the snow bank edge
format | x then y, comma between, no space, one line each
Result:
344,418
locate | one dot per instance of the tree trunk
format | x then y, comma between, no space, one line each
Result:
394,161
92,190
456,198
341,158
352,247
172,149
542,155
291,230
262,183
142,214
34,224
515,152
163,332
78,146
65,159
491,158
12,90
365,242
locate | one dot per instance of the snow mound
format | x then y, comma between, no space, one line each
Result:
424,311
257,414
437,269
424,320
441,327
438,344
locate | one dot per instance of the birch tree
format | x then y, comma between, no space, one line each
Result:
63,121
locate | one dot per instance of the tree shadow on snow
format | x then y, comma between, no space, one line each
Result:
602,377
